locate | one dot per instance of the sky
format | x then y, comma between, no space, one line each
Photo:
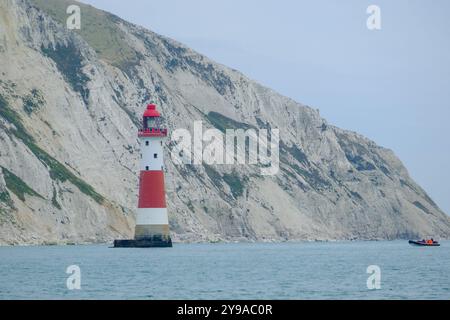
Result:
391,85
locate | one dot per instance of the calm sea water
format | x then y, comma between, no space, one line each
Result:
228,271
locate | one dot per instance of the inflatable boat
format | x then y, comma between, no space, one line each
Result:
424,243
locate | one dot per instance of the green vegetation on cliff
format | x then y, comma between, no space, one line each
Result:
5,198
235,183
17,185
69,62
223,123
57,170
33,101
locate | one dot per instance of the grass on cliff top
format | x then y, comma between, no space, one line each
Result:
98,28
57,170
18,186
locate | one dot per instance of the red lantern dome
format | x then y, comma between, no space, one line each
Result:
151,111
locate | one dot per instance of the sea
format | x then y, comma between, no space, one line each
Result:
302,270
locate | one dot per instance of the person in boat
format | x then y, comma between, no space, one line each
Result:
426,242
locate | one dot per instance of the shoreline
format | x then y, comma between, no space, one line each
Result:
294,241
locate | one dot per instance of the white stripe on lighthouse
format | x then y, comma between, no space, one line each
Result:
152,154
147,216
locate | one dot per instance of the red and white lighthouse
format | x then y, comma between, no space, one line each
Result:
152,224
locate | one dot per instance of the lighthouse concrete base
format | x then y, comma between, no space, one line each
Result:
153,242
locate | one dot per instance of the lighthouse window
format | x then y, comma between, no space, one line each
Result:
146,143
155,155
151,123
147,168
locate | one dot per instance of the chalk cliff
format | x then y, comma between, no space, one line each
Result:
70,103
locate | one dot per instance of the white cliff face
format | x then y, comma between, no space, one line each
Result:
70,104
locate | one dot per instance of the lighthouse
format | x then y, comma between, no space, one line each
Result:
152,223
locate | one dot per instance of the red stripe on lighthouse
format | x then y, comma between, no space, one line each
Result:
151,190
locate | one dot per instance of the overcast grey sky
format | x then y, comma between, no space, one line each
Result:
392,85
